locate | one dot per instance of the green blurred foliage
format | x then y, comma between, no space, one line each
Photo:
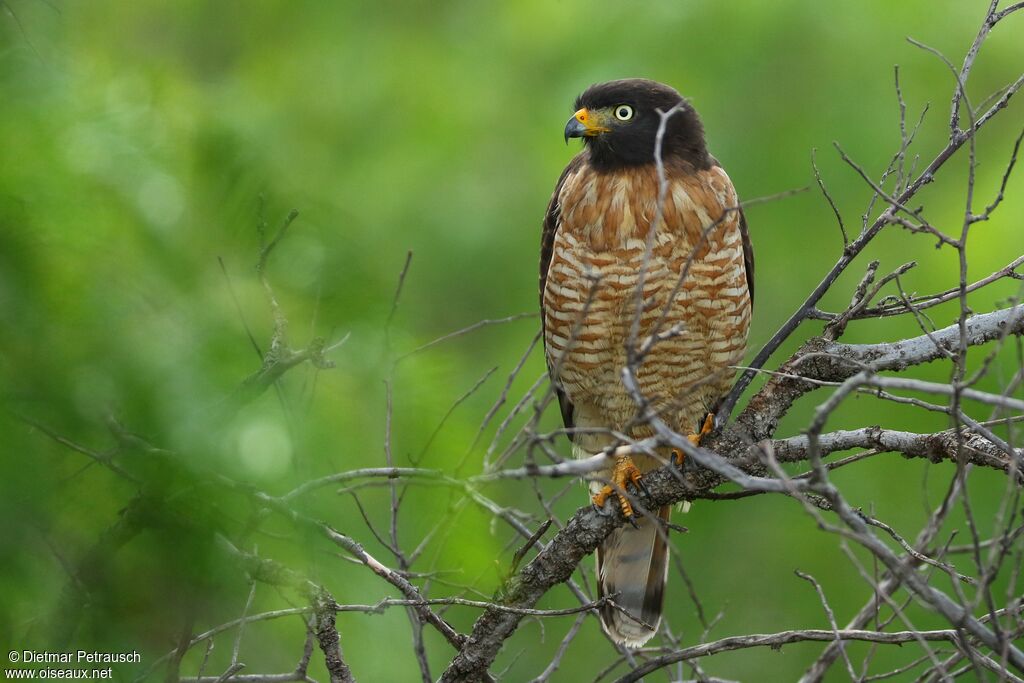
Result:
136,140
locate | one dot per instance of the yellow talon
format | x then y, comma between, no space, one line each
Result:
706,428
624,472
695,439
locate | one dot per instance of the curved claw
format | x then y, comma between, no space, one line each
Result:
642,486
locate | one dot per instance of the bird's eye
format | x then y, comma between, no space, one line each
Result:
623,112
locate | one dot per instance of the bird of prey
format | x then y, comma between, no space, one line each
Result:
605,235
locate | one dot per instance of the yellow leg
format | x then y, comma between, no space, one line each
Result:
695,439
624,472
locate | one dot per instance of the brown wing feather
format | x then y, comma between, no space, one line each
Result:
546,246
748,249
748,255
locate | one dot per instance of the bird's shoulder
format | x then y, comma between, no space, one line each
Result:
553,215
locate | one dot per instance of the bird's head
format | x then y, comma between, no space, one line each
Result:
619,121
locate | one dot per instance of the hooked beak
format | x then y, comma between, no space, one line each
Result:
585,123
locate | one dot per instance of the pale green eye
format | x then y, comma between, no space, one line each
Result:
623,112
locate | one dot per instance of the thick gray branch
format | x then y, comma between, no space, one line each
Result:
329,640
934,447
818,359
822,360
900,355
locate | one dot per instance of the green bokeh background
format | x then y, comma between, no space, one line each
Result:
136,139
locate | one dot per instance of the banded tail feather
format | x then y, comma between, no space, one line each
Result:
632,566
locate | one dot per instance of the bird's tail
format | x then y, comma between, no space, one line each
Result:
632,566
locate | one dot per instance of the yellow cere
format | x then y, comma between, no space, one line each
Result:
594,121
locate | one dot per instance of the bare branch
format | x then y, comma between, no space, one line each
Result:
776,640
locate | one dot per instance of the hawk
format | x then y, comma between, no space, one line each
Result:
696,299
